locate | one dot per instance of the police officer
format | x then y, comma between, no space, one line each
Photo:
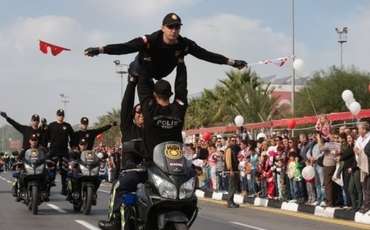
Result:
59,134
26,131
33,146
163,120
90,134
160,51
131,125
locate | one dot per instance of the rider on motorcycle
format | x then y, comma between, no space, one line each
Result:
131,128
34,147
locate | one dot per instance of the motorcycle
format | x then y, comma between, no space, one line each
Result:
84,181
32,186
167,200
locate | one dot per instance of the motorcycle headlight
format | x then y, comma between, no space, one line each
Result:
39,169
84,170
166,189
95,171
29,169
187,189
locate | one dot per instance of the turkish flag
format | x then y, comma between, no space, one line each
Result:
55,50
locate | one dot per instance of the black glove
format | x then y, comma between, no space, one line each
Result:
92,51
3,114
114,123
240,64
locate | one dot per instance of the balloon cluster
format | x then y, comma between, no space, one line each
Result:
353,106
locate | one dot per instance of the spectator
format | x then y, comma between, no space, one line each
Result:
362,150
212,162
232,168
330,150
351,174
252,183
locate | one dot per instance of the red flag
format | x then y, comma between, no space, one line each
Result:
55,50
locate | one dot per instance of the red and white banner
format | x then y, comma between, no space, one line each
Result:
55,50
276,61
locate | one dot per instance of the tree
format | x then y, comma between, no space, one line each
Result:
113,135
240,93
322,94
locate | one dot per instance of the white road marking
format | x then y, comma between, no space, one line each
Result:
247,225
6,180
87,225
53,206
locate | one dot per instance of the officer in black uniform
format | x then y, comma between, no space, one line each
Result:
90,134
27,131
163,120
60,133
160,51
131,125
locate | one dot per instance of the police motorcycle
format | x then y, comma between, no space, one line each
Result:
31,185
166,201
84,181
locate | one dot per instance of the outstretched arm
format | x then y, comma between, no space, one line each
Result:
206,55
15,124
127,104
132,46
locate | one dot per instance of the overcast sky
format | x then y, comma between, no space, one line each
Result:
241,29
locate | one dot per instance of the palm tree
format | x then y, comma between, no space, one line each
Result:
112,136
240,93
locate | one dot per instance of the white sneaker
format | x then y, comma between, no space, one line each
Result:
293,201
322,204
315,203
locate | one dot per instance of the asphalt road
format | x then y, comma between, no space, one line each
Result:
58,215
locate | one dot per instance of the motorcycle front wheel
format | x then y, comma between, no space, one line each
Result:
34,199
87,200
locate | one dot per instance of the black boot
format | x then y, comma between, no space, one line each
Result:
113,224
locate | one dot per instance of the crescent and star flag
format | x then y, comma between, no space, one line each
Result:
55,50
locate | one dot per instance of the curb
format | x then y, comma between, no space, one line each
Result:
294,207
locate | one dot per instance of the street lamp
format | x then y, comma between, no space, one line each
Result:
342,38
121,70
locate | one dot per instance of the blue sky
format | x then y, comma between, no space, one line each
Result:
240,29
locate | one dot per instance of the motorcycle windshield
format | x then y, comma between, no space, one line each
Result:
169,157
89,157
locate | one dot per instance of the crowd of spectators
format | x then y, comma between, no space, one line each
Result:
322,167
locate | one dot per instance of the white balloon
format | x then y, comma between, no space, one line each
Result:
347,96
297,64
308,172
355,108
239,120
349,102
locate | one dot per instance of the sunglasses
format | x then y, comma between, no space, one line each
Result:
174,26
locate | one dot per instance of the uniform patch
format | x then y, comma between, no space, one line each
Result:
173,151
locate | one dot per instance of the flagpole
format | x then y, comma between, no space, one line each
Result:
293,70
